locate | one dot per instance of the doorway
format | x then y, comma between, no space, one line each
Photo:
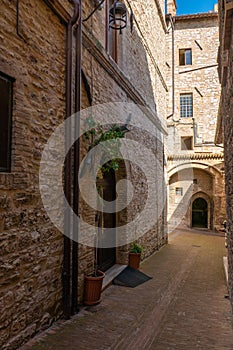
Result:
200,213
106,257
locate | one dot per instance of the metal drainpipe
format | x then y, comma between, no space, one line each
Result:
107,26
74,305
173,67
68,162
173,70
68,167
194,132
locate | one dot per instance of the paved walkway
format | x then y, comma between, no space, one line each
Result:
183,307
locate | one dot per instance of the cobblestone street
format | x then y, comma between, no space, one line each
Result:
184,305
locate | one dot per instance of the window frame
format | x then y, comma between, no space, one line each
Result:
179,191
7,156
187,114
183,55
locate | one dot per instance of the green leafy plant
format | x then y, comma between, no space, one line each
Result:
98,135
136,248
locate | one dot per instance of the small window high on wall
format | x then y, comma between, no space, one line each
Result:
6,89
179,191
185,57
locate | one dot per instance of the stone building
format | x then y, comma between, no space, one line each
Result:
224,131
195,170
42,271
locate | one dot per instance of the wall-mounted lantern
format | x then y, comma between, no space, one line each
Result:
118,16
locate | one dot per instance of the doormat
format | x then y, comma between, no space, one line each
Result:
130,277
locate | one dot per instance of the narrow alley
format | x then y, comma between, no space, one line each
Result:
184,305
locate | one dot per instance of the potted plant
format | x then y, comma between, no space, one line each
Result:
93,287
135,255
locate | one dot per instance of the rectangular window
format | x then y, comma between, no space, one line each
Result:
186,143
179,191
185,57
186,105
6,86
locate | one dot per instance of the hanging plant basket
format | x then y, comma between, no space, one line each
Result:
93,288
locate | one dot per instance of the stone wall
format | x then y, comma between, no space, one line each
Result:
31,247
225,119
171,7
200,34
137,57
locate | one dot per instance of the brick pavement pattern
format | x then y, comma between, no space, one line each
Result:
182,307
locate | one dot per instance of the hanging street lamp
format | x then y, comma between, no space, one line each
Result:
118,16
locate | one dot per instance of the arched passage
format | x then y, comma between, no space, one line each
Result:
200,213
190,181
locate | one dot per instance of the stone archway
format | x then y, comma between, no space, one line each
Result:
186,183
200,213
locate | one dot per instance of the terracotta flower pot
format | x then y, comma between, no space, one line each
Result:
93,288
134,260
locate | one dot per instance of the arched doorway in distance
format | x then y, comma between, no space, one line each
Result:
200,213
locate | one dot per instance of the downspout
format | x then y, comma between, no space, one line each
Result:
194,131
173,69
107,26
68,167
74,305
